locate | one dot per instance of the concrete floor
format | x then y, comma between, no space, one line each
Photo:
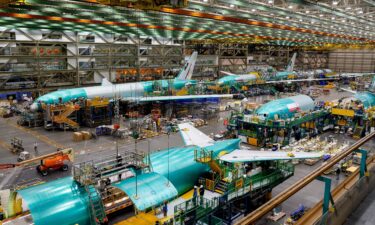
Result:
48,141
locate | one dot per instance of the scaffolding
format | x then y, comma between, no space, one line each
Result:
94,176
91,172
40,61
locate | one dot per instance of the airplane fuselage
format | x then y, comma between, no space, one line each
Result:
232,79
126,90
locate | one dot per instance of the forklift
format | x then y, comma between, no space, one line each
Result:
16,145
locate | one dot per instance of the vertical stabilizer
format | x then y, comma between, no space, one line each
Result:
372,85
187,72
291,63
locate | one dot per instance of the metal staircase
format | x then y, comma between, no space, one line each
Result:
62,117
203,156
221,187
206,157
97,211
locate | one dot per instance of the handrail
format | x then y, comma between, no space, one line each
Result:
288,123
274,202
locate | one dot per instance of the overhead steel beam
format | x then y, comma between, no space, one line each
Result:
371,2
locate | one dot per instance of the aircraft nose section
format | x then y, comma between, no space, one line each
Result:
34,107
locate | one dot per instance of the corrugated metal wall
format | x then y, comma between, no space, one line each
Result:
351,60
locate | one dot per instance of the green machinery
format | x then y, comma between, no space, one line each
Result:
261,132
239,193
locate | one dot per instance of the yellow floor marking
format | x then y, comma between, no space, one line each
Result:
188,195
140,219
37,135
5,145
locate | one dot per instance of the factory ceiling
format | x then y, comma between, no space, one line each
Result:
293,22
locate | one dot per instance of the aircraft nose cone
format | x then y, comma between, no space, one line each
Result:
34,107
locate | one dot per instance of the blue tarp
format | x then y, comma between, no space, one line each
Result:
153,190
16,95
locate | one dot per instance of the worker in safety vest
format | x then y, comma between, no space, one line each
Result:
195,195
201,194
36,148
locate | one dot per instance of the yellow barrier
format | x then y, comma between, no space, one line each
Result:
343,112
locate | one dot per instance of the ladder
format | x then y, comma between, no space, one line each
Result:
63,116
96,205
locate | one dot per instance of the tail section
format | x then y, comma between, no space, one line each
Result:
290,66
372,85
106,82
187,72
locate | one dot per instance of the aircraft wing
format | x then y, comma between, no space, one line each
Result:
173,98
193,136
299,80
356,74
348,90
252,156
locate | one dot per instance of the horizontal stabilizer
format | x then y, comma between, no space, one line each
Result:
227,73
253,156
193,136
349,90
299,80
356,74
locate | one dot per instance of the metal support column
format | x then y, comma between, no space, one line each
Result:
327,193
363,167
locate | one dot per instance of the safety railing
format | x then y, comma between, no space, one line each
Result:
254,183
283,123
90,172
200,206
212,220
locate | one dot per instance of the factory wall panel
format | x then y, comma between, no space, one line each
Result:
352,60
